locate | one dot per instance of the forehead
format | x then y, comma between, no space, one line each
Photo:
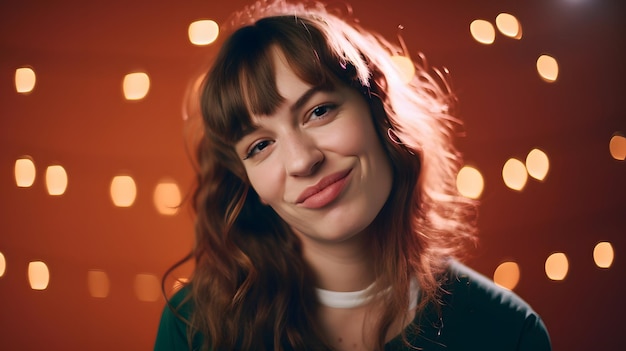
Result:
294,92
288,84
258,68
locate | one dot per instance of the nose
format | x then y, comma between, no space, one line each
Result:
301,155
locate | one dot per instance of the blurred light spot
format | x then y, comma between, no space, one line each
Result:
603,254
147,287
123,191
179,283
557,266
483,31
167,197
203,32
38,275
405,66
537,164
617,147
548,68
514,174
191,109
25,80
3,264
98,283
509,25
469,182
136,85
56,180
24,172
507,275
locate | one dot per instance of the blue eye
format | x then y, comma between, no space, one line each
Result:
258,147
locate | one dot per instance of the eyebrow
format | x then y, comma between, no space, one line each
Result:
302,100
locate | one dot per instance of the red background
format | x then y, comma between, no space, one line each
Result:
77,117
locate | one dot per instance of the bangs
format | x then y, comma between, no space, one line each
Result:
242,82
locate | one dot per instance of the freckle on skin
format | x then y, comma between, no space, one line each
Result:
354,345
340,340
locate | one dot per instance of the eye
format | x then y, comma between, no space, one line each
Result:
258,147
322,111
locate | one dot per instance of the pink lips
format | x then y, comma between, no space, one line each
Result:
324,192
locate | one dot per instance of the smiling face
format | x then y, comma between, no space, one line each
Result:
317,159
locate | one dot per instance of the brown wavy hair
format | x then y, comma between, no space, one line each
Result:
251,288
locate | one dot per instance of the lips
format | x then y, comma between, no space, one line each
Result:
324,192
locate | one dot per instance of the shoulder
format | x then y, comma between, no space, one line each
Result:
489,315
172,333
464,287
473,313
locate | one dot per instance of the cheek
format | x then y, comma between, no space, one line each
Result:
360,138
349,137
265,183
355,134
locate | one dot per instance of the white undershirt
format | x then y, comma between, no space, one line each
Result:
353,299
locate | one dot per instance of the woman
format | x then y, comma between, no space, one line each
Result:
327,213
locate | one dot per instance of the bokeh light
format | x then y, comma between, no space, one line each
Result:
191,110
470,182
167,197
25,80
514,174
405,66
179,283
509,25
56,180
136,85
507,275
3,264
123,191
147,287
25,172
98,283
482,31
548,68
617,147
557,266
203,32
38,275
537,164
603,254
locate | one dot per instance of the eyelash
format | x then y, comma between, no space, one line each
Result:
252,151
327,108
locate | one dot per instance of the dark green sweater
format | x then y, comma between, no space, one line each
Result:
475,315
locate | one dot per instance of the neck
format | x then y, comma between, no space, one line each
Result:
343,266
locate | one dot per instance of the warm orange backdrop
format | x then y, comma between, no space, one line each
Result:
77,117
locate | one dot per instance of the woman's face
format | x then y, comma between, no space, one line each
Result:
317,160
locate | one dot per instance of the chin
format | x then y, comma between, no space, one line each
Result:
335,232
